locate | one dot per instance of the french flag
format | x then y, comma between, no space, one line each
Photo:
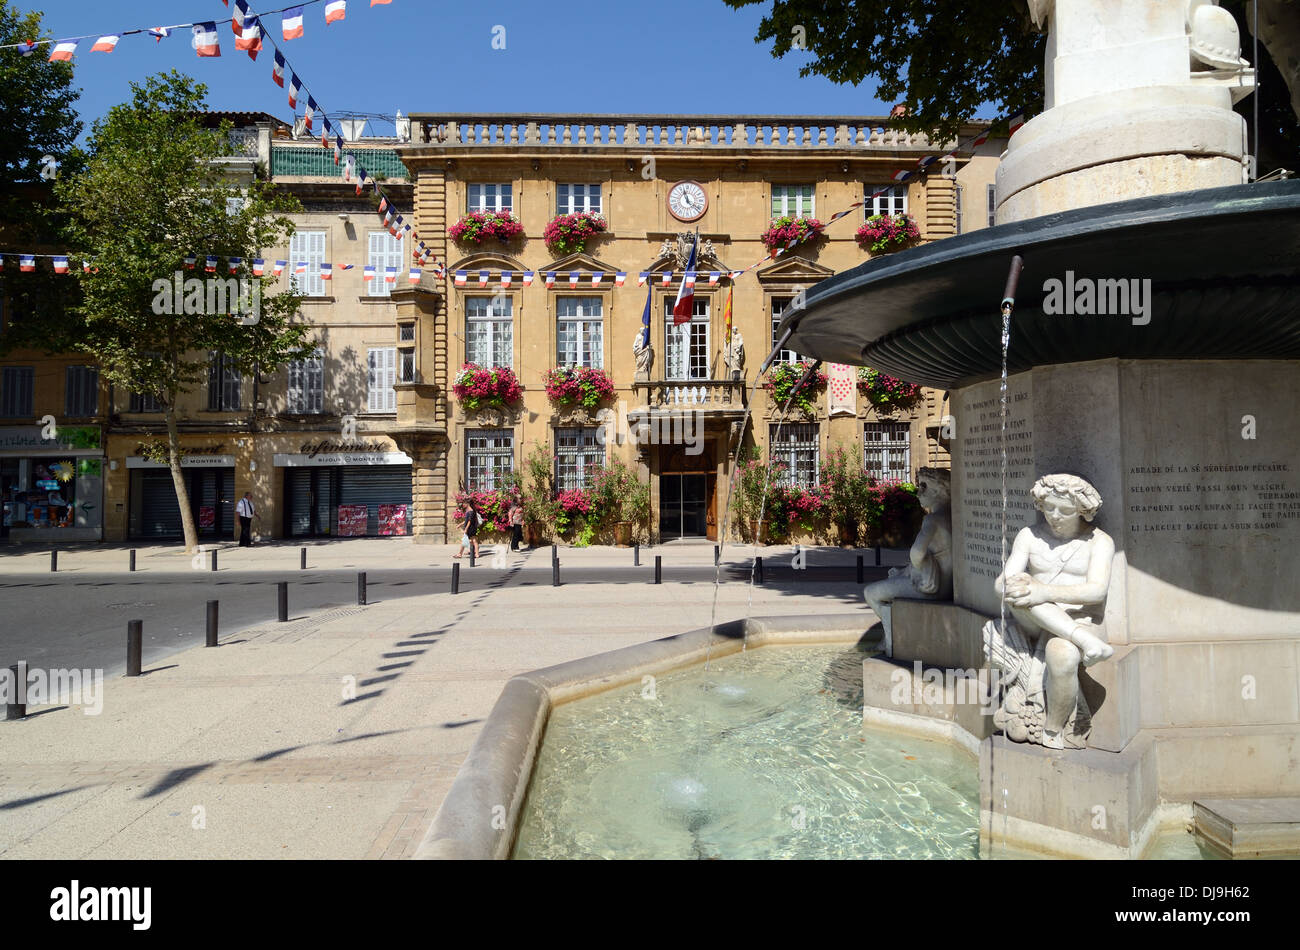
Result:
27,47
383,205
980,139
641,278
684,306
335,10
667,277
300,267
279,267
210,265
311,111
277,70
902,176
63,51
250,40
506,278
573,278
460,278
415,275
368,273
259,267
160,33
550,279
106,44
26,262
714,277
189,262
528,278
234,264
390,275
291,22
1016,124
327,271
239,17
295,87
205,39
60,264
483,276
619,278
597,277
375,2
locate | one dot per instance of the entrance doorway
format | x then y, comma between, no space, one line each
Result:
683,506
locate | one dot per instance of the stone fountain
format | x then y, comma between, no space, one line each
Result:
1137,641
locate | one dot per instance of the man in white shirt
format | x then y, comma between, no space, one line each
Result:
246,514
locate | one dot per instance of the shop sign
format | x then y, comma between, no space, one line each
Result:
187,461
26,440
340,458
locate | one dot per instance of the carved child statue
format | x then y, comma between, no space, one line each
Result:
733,355
1054,584
929,575
644,355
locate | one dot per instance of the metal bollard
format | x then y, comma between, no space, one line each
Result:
471,554
636,555
659,569
54,561
717,554
134,646
18,678
131,567
212,624
758,568
282,600
302,559
361,588
877,555
861,577
555,552
214,559
455,578
555,573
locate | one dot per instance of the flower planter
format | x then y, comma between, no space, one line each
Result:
569,233
479,227
883,234
623,533
783,230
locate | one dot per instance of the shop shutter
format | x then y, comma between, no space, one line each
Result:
160,516
298,490
372,486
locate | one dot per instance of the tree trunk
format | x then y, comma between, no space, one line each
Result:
178,480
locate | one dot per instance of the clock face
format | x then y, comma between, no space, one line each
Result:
687,201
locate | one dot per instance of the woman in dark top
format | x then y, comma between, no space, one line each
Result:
473,521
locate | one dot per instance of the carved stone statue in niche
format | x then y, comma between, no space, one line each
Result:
1054,584
733,355
644,354
929,575
679,249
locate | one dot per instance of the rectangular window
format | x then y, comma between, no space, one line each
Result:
307,384
17,390
81,394
489,331
992,191
223,383
778,309
308,247
891,202
490,197
406,367
580,332
384,251
957,197
578,454
794,200
489,457
382,362
795,444
887,450
142,402
571,199
687,346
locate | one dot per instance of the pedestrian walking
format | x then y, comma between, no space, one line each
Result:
516,524
247,512
473,521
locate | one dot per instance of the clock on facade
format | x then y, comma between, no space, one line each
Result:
687,201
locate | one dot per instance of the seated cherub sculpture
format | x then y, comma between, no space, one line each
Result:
1054,584
929,575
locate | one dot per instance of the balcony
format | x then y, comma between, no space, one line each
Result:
718,396
777,133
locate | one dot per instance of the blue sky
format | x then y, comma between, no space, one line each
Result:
671,56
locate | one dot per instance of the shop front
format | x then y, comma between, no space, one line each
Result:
52,488
346,489
153,510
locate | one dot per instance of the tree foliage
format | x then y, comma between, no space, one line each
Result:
36,101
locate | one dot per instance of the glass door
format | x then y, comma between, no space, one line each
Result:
683,506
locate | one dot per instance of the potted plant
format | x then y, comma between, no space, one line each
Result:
569,233
478,387
787,228
846,486
887,393
620,500
578,385
478,227
782,380
753,497
539,502
885,234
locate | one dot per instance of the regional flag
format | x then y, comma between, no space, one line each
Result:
106,44
390,275
327,271
335,10
460,278
415,275
684,306
60,264
726,316
277,70
291,22
573,278
528,278
259,267
279,267
210,264
234,264
204,40
63,51
295,87
26,263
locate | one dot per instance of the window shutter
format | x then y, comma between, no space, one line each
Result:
390,394
374,397
316,383
214,380
295,400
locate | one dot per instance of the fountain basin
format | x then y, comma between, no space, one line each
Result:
1224,266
